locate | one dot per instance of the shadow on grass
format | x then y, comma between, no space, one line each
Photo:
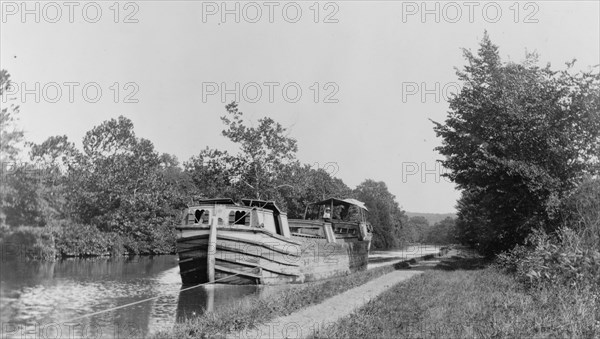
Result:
381,260
451,263
461,263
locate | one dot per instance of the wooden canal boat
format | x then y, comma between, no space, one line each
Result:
254,242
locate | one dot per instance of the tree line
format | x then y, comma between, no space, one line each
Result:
115,194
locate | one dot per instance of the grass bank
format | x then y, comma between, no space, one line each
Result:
459,299
250,312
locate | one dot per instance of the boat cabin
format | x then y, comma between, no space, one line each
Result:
330,219
226,213
333,218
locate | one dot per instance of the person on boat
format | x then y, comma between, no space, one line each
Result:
327,214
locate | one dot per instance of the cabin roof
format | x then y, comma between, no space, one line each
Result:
270,205
216,201
342,202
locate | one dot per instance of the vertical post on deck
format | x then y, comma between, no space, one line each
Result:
211,251
331,211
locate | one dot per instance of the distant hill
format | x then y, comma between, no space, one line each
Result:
432,218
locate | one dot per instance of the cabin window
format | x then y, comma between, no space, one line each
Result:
198,216
277,219
239,218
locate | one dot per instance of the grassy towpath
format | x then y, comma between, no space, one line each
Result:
249,313
310,320
462,296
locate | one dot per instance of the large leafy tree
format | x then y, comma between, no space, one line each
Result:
442,232
17,194
213,173
54,159
419,228
265,167
517,139
265,152
118,184
10,135
309,185
388,220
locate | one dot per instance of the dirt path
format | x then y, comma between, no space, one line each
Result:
306,321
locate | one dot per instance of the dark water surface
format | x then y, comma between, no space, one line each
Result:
48,299
59,299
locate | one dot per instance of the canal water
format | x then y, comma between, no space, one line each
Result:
67,298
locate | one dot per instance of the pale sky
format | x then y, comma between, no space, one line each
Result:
371,62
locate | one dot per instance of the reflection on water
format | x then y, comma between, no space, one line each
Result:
56,299
44,299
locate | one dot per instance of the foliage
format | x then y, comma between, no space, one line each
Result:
26,242
21,204
443,232
265,150
517,140
261,168
212,172
419,227
388,220
571,255
554,260
85,240
309,185
581,211
118,184
10,135
265,167
10,139
118,192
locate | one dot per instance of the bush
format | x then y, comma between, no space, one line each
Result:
74,240
571,255
29,242
154,236
67,239
581,211
550,260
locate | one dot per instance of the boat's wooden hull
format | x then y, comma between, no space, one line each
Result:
252,256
